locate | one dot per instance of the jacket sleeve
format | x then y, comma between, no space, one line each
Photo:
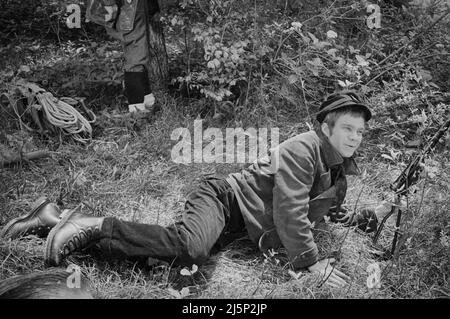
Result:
293,180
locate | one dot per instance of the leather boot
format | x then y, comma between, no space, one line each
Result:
75,232
42,217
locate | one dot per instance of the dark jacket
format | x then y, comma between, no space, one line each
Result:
281,195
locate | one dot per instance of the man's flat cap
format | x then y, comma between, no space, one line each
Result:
342,99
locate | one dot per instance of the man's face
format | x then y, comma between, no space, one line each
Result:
346,134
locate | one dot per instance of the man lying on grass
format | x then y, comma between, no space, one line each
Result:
276,200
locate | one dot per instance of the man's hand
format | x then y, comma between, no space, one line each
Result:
111,12
333,277
342,216
346,217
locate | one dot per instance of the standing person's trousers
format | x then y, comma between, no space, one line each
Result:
211,219
136,41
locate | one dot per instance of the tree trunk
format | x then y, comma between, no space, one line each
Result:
159,68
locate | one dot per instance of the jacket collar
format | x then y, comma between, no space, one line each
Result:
332,157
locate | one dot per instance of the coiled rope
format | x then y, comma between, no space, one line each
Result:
59,113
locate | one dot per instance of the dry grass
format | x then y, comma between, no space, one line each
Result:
126,172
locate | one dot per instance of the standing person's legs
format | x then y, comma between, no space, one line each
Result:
132,30
136,53
211,212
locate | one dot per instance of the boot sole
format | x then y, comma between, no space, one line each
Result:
65,215
37,206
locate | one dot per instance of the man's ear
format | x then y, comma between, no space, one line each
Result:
325,129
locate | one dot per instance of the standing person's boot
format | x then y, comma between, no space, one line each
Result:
43,216
74,232
138,93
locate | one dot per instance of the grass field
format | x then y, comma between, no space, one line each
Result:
126,172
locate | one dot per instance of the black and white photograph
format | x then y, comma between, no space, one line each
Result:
225,158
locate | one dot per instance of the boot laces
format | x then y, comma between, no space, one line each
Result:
80,240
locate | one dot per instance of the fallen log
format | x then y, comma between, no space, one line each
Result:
6,159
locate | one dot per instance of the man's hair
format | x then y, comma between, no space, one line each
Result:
333,116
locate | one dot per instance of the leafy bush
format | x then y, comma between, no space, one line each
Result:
43,19
285,52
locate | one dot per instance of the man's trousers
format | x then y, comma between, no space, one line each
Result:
211,219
